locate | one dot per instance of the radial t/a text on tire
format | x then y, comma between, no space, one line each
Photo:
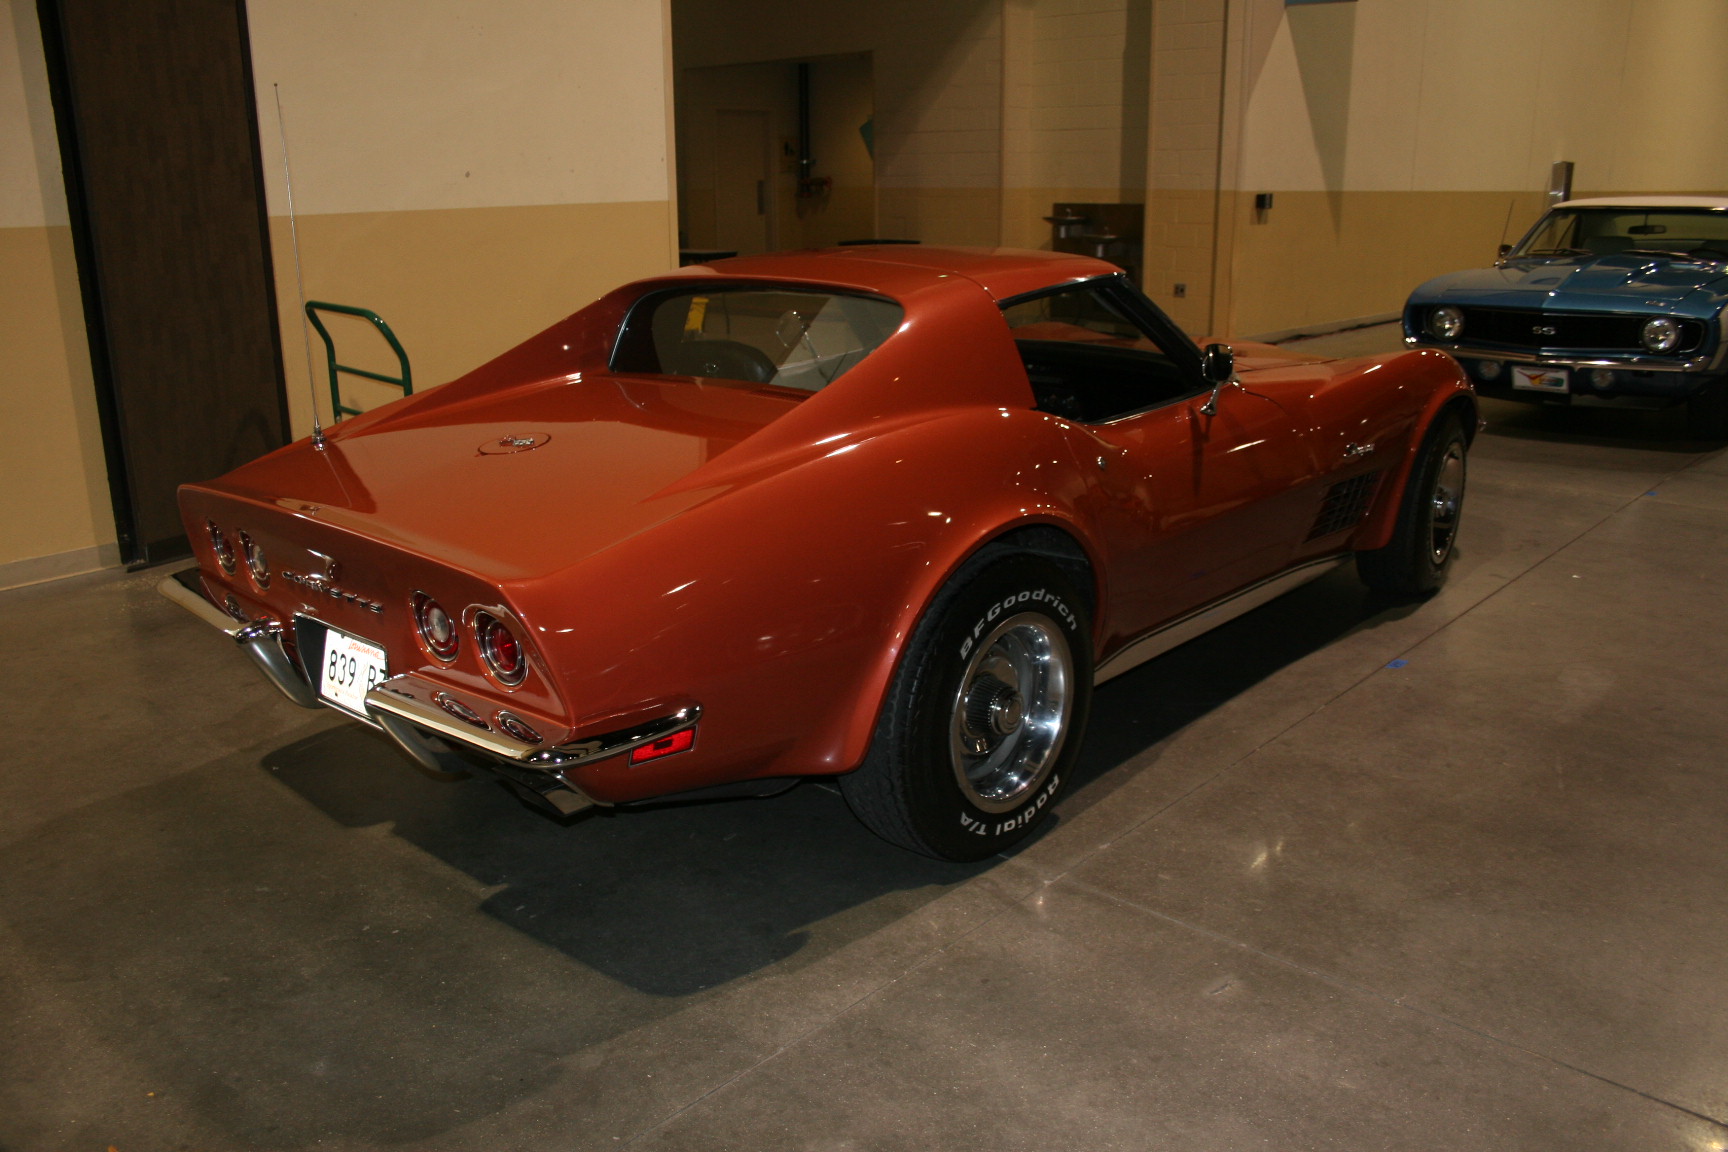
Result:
984,716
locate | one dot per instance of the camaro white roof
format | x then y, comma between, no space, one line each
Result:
1648,202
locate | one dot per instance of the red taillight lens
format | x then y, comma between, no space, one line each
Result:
502,651
665,746
220,545
437,630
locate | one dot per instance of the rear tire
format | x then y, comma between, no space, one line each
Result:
1707,412
984,716
1424,539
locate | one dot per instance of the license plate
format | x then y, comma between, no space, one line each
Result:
1540,379
352,667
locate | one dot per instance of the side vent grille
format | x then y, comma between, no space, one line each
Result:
1344,505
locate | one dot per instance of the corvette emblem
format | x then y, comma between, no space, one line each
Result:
325,582
516,442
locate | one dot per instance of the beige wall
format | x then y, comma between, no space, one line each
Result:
55,514
1075,105
1397,135
470,172
1187,234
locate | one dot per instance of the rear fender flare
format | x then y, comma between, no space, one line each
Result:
959,549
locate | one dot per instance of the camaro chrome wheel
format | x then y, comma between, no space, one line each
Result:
985,712
1425,536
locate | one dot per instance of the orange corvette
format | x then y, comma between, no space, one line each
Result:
884,514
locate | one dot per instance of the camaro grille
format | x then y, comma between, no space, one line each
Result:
1344,505
1527,328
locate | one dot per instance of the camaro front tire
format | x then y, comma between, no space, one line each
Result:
1425,538
984,716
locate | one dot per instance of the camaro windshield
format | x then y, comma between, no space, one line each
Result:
1576,232
790,337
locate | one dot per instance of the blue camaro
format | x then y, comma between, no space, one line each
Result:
1604,302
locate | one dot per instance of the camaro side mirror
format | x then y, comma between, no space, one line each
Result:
1218,364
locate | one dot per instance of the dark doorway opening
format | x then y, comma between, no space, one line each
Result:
159,145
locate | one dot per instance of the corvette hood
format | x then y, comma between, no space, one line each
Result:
1622,282
521,481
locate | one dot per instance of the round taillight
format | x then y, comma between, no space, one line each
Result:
512,725
220,545
255,562
437,630
500,648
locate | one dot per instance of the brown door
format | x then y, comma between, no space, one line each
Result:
741,189
159,144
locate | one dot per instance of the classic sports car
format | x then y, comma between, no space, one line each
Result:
880,513
1604,302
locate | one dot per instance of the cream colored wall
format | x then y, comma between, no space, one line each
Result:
1075,76
937,86
1397,135
470,172
1186,232
55,514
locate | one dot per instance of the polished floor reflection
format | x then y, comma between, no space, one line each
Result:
1343,874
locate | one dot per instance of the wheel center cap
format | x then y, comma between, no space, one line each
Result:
1006,711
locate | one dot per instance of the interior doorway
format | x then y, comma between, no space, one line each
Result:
742,182
159,145
776,155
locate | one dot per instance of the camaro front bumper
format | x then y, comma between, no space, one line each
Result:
1646,381
406,708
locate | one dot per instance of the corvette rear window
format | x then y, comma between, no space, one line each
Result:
793,338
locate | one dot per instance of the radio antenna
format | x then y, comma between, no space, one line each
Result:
299,276
1507,226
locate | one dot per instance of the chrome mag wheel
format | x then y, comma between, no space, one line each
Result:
1011,713
1446,503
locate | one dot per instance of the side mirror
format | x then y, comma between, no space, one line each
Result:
1504,249
1218,365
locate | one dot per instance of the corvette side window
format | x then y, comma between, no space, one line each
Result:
792,338
1088,361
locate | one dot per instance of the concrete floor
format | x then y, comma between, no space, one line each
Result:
1340,875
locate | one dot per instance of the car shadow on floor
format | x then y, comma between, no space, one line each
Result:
675,900
671,900
1151,703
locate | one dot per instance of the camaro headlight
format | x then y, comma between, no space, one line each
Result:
1660,334
1445,322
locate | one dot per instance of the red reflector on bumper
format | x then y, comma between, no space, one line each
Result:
665,746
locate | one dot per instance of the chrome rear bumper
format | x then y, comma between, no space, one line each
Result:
405,709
